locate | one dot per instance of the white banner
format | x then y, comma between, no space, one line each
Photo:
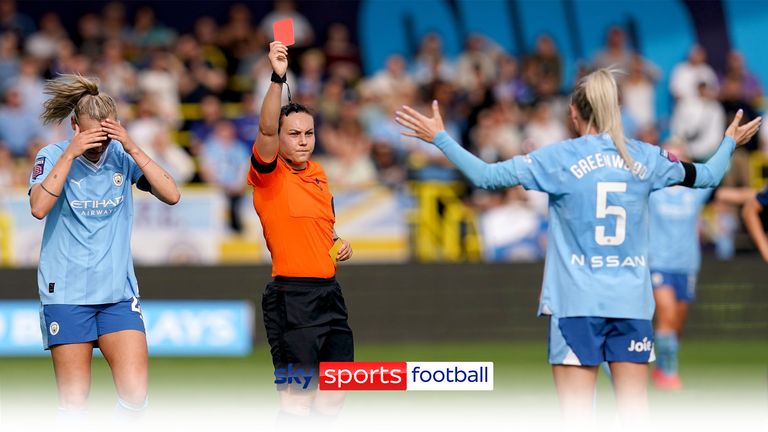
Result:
196,230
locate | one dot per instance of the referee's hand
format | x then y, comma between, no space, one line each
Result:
278,57
345,251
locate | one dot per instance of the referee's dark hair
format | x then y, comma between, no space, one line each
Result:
289,109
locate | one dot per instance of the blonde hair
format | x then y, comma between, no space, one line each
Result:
596,98
75,93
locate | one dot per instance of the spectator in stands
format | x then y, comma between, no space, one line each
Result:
347,160
733,98
247,124
543,69
224,163
430,63
9,57
510,86
17,127
148,33
616,53
170,156
147,123
700,122
496,136
687,76
43,43
476,66
542,127
391,79
118,77
329,105
13,20
114,25
211,115
310,81
89,37
30,86
234,37
203,76
638,94
751,87
162,80
65,55
342,58
206,31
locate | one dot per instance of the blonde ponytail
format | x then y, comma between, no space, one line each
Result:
78,94
596,98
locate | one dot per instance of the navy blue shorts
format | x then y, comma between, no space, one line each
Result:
69,324
684,284
589,341
306,323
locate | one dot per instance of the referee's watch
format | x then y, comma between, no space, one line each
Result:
275,78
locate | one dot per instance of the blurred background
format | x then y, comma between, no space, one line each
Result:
441,271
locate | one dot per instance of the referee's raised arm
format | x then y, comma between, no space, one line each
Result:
267,142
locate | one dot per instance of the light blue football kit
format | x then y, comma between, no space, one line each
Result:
596,263
675,256
85,257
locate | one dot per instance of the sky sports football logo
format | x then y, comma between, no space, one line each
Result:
391,376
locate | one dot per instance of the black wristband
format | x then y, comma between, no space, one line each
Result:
278,79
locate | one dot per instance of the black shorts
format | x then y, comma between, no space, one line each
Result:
306,322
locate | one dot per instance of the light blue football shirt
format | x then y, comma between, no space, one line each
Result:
596,263
674,235
85,257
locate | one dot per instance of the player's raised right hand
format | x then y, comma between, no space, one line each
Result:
84,141
278,57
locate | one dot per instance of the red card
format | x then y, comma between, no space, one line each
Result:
283,30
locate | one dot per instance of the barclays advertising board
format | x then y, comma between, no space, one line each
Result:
174,327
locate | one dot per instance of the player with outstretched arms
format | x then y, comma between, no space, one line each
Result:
597,287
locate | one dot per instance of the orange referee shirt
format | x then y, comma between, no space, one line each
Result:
297,216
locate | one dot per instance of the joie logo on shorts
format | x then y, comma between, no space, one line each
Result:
54,328
640,346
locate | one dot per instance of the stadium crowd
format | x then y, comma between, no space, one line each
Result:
191,101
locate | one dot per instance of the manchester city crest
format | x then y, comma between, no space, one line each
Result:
117,179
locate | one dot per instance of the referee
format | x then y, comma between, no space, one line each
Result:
304,312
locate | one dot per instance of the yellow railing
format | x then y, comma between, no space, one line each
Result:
6,251
443,228
758,169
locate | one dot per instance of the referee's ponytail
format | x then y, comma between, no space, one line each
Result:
596,98
75,93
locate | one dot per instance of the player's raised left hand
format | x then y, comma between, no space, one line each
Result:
116,131
421,126
742,133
